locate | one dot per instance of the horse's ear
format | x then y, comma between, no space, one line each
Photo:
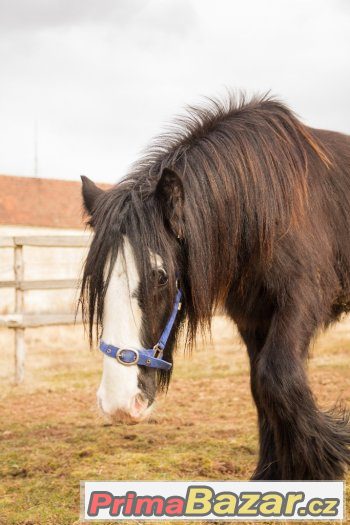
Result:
90,194
170,195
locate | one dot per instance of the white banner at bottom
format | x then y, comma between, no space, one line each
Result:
212,500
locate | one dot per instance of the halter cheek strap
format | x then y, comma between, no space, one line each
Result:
151,357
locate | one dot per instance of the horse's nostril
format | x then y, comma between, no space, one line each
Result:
139,405
141,401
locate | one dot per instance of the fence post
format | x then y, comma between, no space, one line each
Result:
20,349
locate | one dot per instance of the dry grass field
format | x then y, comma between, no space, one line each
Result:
204,428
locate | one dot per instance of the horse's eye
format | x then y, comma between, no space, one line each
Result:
162,277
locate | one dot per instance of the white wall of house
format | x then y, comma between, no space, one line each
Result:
11,230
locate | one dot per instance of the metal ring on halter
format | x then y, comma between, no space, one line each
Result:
119,356
158,352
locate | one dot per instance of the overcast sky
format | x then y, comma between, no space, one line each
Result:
100,78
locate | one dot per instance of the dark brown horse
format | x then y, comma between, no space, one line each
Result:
249,210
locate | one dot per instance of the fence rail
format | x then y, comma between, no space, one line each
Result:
19,319
47,284
55,241
36,320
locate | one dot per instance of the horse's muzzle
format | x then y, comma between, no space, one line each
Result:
138,411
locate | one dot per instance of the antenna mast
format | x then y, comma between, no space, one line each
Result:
36,149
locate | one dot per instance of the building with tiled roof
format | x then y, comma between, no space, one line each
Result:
40,203
33,207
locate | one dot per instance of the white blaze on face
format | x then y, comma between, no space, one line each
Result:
119,394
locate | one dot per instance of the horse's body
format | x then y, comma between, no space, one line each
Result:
250,209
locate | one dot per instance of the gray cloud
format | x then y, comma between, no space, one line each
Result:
44,14
169,18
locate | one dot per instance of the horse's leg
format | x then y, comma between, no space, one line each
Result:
267,467
309,444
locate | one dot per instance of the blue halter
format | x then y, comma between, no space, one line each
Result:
151,357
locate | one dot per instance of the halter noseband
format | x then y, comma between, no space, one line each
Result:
151,357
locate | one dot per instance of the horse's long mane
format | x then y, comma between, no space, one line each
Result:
245,170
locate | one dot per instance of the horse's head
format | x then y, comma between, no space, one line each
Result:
130,290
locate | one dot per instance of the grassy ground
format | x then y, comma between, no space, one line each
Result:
205,428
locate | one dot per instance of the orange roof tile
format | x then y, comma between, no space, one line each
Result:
29,201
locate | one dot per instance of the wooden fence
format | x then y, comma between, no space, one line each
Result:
19,320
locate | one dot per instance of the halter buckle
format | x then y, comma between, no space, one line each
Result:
119,356
158,352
